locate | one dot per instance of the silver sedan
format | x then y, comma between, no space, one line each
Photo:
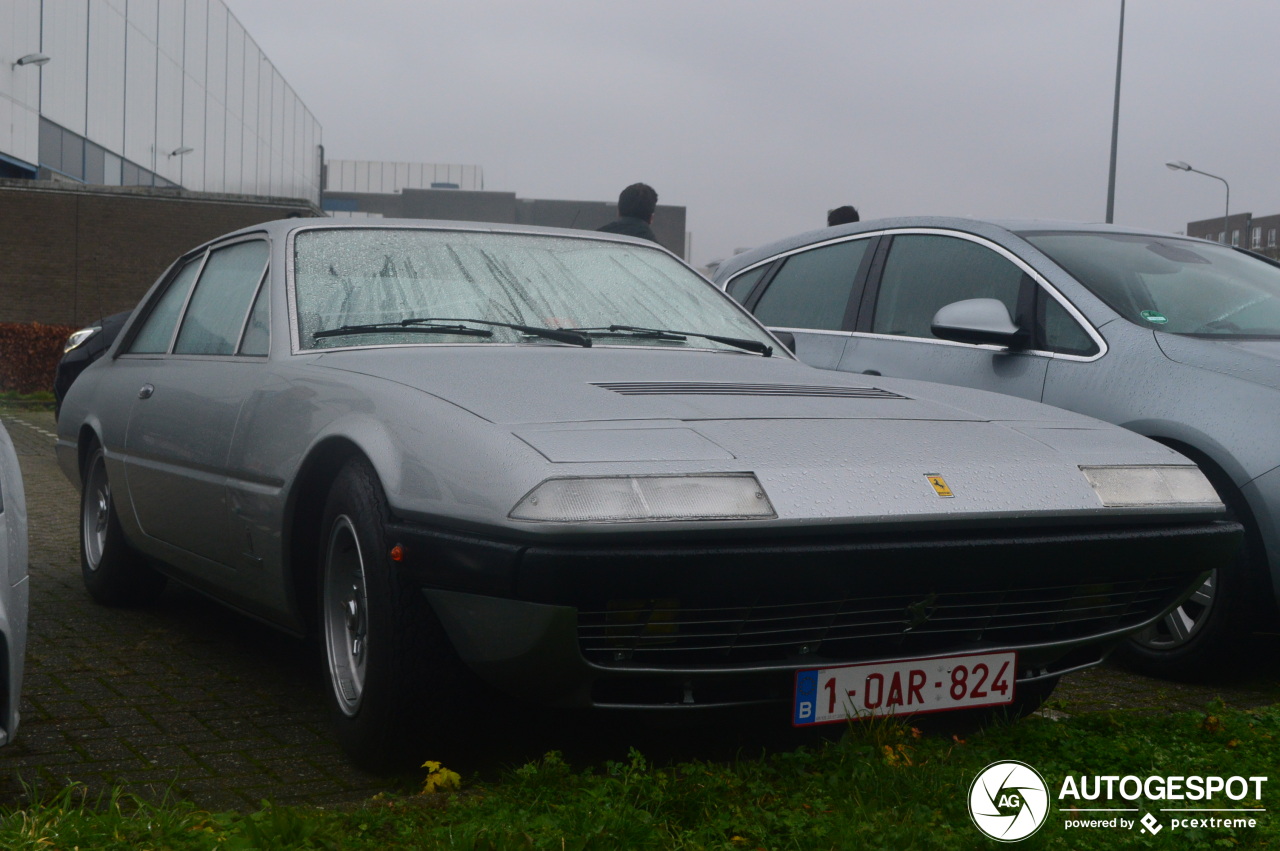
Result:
1173,338
13,588
491,465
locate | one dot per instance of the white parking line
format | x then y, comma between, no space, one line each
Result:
34,428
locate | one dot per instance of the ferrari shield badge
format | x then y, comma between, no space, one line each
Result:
939,484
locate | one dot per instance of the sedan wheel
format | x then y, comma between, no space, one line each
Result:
113,573
1206,634
1181,625
346,624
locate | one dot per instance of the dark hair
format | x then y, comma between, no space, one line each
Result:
841,215
638,201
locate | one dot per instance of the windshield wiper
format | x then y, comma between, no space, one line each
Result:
666,334
399,327
532,330
428,325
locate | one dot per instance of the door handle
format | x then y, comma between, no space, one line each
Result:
871,372
146,391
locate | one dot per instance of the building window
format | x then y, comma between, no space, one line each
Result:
1235,238
1222,236
1271,238
1256,242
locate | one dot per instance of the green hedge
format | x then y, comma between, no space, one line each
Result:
29,354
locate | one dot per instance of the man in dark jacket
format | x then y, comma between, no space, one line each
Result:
842,216
635,212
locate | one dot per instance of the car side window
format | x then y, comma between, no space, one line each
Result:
157,329
740,287
1060,331
812,289
221,301
257,334
925,272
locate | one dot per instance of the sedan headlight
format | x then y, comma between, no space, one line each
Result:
79,337
1123,487
620,499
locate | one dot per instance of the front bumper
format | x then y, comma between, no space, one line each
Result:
693,626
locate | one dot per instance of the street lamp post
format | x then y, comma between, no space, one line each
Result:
1226,216
1115,125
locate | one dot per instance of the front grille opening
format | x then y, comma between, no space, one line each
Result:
670,631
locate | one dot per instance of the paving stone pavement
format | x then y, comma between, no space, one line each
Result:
184,696
190,698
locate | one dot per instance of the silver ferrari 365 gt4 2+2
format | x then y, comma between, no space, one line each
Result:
491,464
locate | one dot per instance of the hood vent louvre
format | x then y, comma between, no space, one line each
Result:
698,388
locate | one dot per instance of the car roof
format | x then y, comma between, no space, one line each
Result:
991,228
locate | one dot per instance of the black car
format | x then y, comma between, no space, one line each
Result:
83,348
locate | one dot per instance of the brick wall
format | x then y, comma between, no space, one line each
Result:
69,255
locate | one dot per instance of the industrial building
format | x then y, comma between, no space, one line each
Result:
153,93
1242,230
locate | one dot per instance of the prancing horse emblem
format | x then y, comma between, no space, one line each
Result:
939,484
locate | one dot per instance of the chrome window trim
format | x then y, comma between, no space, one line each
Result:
264,280
258,236
1035,276
182,311
825,331
773,258
1039,279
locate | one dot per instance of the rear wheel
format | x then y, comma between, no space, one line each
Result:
397,689
113,573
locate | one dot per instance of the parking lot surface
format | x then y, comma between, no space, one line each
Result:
189,698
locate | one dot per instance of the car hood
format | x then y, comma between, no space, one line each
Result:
826,446
1248,360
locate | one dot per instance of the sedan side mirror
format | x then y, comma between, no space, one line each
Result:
978,320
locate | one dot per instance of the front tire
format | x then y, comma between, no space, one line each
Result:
113,573
396,688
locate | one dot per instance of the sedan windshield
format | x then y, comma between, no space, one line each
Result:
353,286
1174,285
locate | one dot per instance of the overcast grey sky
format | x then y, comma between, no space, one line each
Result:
759,116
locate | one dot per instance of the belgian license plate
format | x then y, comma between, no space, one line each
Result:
828,695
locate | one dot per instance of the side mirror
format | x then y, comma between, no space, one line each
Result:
786,338
978,320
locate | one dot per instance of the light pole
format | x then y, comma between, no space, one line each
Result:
1115,125
1226,232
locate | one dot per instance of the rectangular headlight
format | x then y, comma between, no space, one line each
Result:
620,499
1122,487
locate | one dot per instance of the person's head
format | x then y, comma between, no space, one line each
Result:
841,215
638,201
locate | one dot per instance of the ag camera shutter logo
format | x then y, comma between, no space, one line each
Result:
1008,801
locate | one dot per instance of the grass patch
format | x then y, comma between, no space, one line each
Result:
39,399
883,786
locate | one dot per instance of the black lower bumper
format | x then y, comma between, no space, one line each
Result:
599,625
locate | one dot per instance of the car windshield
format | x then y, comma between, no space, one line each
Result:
359,281
1179,286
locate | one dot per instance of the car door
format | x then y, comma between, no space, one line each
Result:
923,271
813,294
192,363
